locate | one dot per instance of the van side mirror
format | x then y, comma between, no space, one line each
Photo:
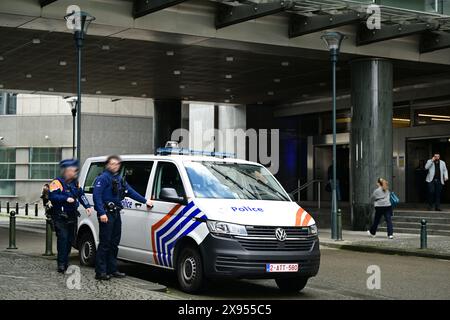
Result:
171,195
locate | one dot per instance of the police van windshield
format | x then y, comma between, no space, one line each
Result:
221,180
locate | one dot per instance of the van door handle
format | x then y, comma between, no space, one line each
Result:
138,205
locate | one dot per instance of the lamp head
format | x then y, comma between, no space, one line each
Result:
79,21
333,40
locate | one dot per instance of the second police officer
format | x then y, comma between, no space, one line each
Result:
109,191
65,195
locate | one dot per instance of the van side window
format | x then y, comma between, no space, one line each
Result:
137,174
95,170
167,176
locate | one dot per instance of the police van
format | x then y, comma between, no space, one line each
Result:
212,217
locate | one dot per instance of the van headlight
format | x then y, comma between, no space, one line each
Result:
313,229
225,228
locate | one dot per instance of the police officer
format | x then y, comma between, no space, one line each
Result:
109,191
65,196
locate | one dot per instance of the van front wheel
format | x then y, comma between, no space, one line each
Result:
190,270
291,285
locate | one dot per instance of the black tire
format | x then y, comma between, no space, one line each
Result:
189,270
87,250
291,285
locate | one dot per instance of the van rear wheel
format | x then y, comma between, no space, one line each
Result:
291,285
190,270
87,250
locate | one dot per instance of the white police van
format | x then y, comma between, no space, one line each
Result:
212,217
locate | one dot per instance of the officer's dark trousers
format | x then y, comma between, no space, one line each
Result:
65,233
380,212
109,234
434,193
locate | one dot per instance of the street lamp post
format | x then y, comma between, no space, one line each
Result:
333,41
79,22
73,109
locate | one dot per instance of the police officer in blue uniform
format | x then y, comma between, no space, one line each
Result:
65,196
109,191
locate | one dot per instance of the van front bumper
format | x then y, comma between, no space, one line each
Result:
227,257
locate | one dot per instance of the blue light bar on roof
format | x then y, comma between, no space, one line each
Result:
182,151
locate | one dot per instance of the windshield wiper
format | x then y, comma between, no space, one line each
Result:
282,196
235,182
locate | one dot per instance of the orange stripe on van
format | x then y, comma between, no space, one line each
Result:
298,216
306,220
159,224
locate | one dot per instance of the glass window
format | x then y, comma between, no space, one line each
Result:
7,188
45,154
94,171
43,171
7,155
44,162
136,174
220,180
430,116
167,176
7,171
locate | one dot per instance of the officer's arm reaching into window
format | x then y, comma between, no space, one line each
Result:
133,194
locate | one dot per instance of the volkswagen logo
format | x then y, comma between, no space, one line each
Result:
280,234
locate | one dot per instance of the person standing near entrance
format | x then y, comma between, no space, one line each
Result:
436,178
382,202
109,191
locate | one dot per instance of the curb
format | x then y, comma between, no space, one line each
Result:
424,253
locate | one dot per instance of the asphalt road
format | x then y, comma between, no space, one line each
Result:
342,275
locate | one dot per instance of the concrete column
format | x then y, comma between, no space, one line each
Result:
371,133
166,119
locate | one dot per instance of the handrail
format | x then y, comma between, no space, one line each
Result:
306,185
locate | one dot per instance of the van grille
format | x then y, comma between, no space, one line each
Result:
268,231
273,244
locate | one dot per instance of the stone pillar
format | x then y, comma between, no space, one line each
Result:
166,119
371,133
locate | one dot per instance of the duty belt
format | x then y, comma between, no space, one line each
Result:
112,208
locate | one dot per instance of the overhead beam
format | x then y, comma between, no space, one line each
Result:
300,25
388,32
432,41
43,3
144,7
229,15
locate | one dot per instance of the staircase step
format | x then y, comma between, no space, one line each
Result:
422,214
417,231
417,219
415,225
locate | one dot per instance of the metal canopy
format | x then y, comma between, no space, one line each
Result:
387,32
229,13
308,16
432,41
144,7
301,24
43,3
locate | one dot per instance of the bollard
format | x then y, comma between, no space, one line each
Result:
17,208
339,225
12,230
423,234
0,206
35,209
48,238
7,207
26,209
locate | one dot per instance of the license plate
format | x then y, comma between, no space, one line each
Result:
281,267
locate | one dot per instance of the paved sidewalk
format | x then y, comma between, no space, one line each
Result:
26,274
402,244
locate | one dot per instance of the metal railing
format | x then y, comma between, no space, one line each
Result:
306,185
